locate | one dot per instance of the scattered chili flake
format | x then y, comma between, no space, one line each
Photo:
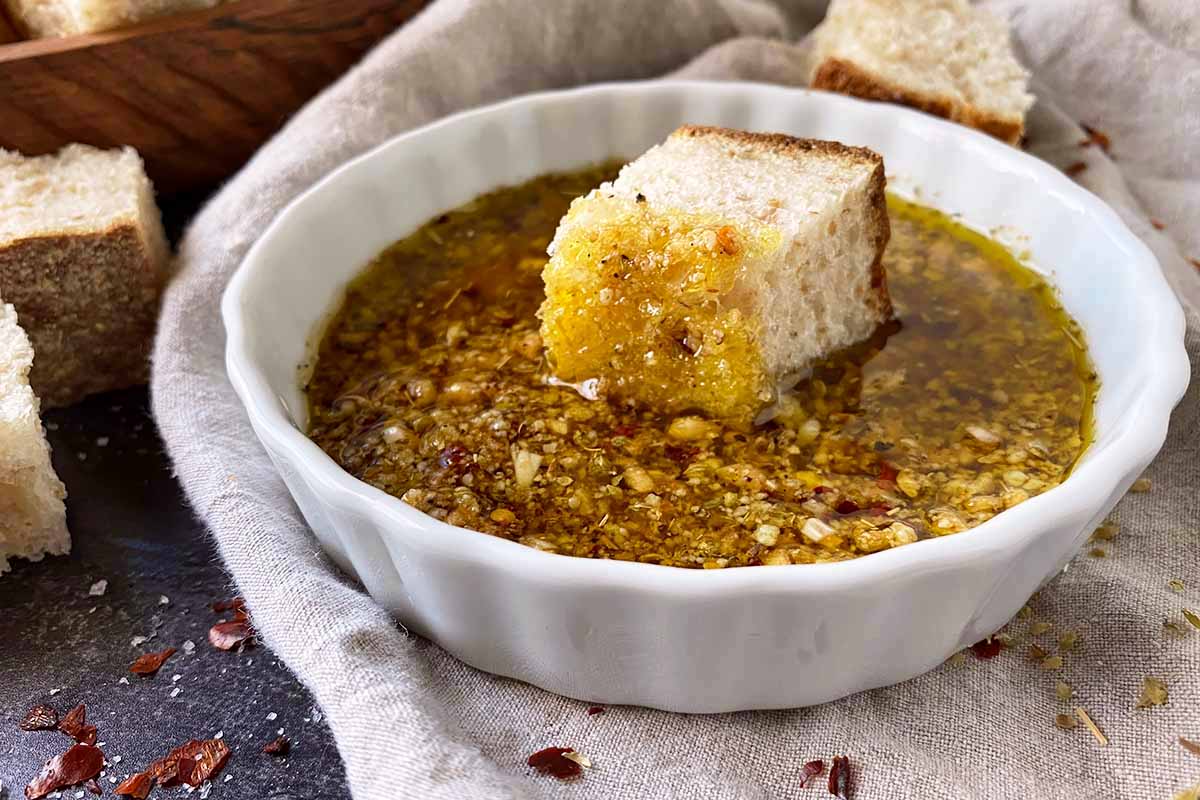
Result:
1175,585
887,472
1141,485
1063,691
1106,532
1097,552
1075,169
625,430
1174,628
847,507
1192,617
821,489
150,663
1154,693
193,762
1038,628
454,457
839,777
74,724
1067,640
680,454
1037,653
93,787
40,718
1091,726
811,770
228,635
81,763
1096,137
987,648
1065,721
234,604
279,747
1190,746
594,710
1158,224
136,786
550,761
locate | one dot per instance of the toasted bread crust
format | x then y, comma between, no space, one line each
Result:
781,143
89,304
845,77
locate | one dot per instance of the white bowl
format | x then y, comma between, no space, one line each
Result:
700,640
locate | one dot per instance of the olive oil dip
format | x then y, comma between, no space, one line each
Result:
430,383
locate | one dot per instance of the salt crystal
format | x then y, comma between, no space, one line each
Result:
54,692
98,588
124,681
175,692
116,759
219,735
176,678
189,646
272,716
101,441
228,778
280,731
163,600
205,788
138,641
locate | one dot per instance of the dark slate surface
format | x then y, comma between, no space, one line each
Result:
60,646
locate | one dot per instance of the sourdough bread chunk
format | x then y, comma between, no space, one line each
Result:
38,18
715,269
33,521
944,57
83,259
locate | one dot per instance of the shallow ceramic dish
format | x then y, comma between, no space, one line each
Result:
701,640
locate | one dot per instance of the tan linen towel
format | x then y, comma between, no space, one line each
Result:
411,721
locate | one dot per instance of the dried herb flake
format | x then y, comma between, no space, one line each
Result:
1154,693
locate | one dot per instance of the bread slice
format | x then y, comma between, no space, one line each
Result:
715,269
943,57
33,520
38,18
83,259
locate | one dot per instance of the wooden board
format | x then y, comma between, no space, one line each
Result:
197,93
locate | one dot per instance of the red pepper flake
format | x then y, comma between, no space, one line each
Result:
93,787
839,777
454,457
81,763
235,604
1158,224
552,762
625,430
681,454
40,718
821,489
887,472
136,786
193,762
228,635
1075,169
280,747
1096,137
150,663
811,770
594,710
987,648
847,507
74,724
